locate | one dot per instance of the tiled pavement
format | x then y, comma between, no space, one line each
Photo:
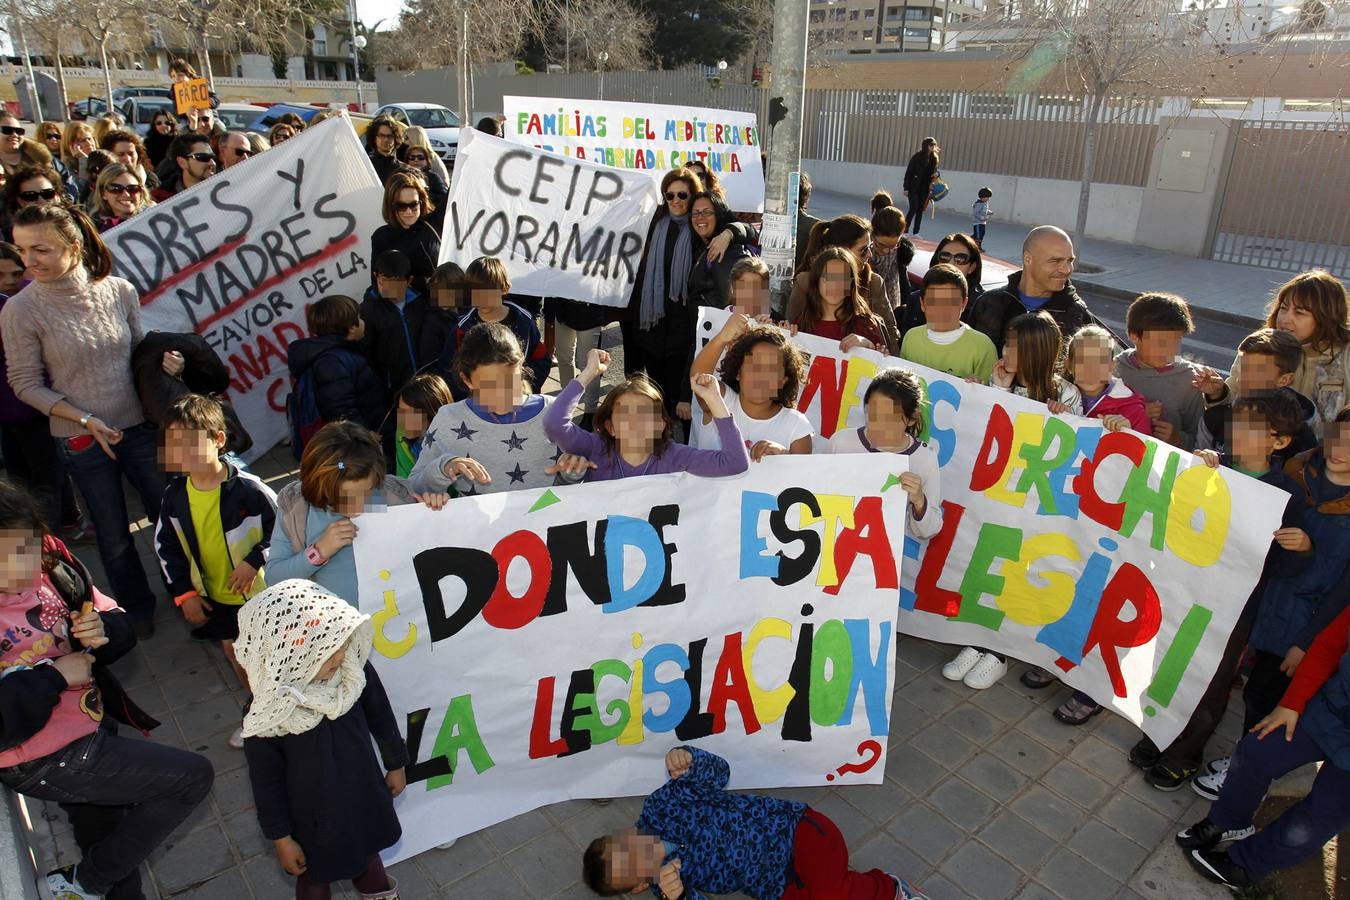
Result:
985,795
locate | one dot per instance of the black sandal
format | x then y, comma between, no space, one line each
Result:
1038,678
1075,712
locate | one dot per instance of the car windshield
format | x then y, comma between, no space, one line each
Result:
237,119
146,112
435,117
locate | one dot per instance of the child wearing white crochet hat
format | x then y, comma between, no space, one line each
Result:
321,795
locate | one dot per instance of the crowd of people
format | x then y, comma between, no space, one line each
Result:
430,387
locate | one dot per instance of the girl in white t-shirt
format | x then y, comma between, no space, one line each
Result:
760,375
893,402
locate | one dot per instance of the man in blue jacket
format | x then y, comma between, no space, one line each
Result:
694,836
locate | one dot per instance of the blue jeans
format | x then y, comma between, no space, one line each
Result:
155,786
1305,827
914,217
99,479
978,234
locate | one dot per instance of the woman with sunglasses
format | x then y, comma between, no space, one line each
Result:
30,185
280,133
419,159
659,329
852,233
120,194
962,253
159,137
77,142
49,136
416,136
16,149
406,229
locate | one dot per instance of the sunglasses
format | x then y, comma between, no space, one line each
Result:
52,136
13,129
677,195
416,157
202,157
959,258
131,190
163,122
400,206
241,154
34,196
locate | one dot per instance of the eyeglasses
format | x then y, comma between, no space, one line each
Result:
13,129
400,206
884,248
241,154
48,194
384,136
960,259
702,214
202,157
677,195
131,190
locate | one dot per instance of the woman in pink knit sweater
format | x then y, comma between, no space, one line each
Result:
69,336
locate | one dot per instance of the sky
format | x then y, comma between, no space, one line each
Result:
372,11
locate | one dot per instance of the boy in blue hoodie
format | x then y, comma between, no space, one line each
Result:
694,837
1294,609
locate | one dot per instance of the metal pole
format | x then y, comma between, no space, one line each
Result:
34,97
787,90
356,58
462,75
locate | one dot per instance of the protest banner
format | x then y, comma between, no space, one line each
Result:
1115,561
236,258
556,643
647,137
194,93
563,227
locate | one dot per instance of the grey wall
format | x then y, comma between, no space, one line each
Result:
1174,215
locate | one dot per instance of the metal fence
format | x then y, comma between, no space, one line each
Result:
1284,197
1029,135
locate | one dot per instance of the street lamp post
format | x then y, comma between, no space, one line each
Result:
600,61
358,43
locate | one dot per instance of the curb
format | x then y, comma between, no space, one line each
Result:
1221,315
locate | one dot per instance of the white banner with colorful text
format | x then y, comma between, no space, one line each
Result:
235,259
563,227
553,644
1118,562
647,137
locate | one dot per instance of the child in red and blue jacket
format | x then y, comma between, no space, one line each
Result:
693,837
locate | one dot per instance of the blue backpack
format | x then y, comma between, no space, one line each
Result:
302,408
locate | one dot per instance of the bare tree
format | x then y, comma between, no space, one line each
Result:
583,29
106,23
243,23
51,19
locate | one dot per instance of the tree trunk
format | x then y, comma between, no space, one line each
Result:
206,62
107,76
462,65
61,77
1089,161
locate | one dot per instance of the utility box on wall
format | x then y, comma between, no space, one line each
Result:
1186,157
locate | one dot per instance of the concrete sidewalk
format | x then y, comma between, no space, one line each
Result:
1227,291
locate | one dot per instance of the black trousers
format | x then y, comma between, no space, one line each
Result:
33,463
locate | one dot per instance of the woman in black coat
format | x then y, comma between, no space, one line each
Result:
710,278
406,207
919,175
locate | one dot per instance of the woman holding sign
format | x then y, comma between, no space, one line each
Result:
68,337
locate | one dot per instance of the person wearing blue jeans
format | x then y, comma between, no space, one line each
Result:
1311,724
99,478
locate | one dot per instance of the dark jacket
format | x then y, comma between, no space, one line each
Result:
710,283
169,184
384,165
1216,421
673,333
919,173
419,243
13,411
995,309
345,386
1293,610
203,373
1326,670
538,359
805,222
326,789
28,694
248,511
395,343
576,314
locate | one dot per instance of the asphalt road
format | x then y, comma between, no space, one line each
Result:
1214,342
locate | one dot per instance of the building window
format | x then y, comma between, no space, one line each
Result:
918,34
918,14
817,16
869,13
890,35
853,15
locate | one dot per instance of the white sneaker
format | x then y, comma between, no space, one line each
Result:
447,845
961,664
237,739
63,886
986,672
1218,766
1209,786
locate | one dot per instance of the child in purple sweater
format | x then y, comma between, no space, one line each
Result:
633,433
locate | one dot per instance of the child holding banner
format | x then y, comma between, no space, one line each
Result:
835,307
322,797
759,377
495,439
633,430
694,836
342,475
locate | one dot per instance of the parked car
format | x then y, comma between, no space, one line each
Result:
441,124
92,107
272,113
141,111
238,116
